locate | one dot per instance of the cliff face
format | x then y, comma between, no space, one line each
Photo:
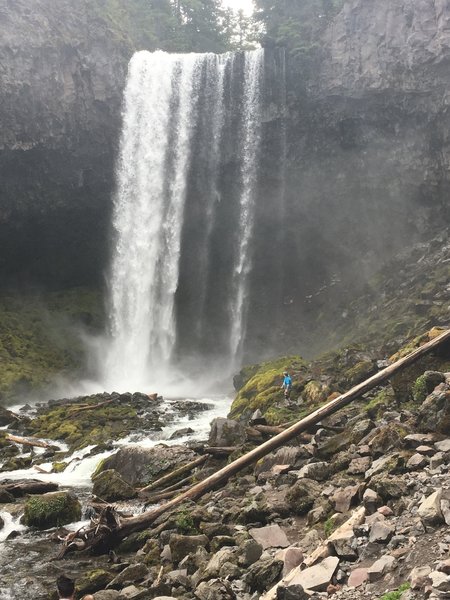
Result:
365,133
61,78
368,154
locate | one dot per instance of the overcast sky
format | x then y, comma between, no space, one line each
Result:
247,5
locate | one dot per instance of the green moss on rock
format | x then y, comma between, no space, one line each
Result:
38,337
263,390
52,510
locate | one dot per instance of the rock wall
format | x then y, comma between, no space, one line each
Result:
61,79
365,133
368,154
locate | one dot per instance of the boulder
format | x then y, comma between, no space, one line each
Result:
215,589
107,595
302,495
443,445
131,574
344,545
388,487
226,432
291,592
271,536
430,509
52,510
434,413
380,533
318,577
343,498
292,557
357,577
109,486
383,565
140,466
263,573
7,417
318,471
182,545
417,462
418,577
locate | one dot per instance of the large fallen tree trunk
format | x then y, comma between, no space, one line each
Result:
137,523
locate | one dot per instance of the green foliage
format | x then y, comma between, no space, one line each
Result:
185,523
329,526
396,595
297,24
176,25
419,390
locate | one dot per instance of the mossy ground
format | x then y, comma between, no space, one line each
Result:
39,337
79,428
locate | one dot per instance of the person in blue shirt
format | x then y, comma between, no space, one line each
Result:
287,384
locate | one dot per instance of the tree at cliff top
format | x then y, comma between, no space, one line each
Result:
177,25
296,24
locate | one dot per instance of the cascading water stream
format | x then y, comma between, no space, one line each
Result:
174,105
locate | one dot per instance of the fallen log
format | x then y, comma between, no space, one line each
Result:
174,474
26,441
28,486
145,519
77,409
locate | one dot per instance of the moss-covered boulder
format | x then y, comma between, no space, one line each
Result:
434,413
302,495
263,389
109,486
52,510
141,466
93,581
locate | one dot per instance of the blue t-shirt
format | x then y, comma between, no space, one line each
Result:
287,381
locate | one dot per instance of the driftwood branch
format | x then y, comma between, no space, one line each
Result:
77,409
26,441
142,521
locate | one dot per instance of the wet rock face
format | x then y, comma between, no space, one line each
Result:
61,84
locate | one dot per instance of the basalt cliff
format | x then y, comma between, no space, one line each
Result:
355,154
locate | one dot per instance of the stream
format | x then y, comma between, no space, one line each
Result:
27,570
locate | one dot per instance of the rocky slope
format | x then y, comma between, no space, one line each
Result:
354,509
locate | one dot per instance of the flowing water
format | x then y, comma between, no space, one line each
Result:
182,113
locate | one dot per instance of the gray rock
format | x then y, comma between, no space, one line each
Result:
182,545
440,581
249,552
416,462
134,573
106,595
226,432
318,471
383,565
215,589
380,533
371,501
443,446
317,577
139,466
271,536
437,460
419,577
291,592
430,509
263,573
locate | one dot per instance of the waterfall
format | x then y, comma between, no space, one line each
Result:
184,117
